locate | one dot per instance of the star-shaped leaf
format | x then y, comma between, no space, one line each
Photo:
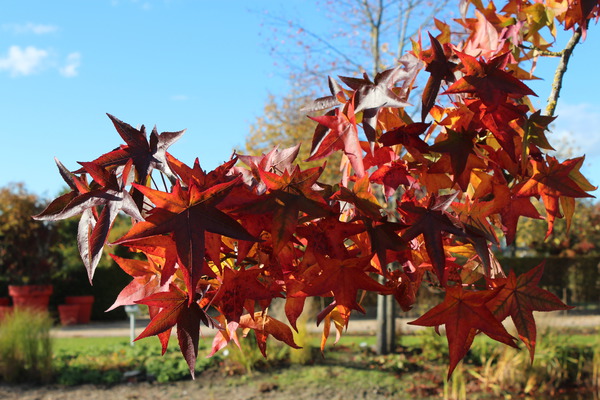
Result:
188,214
519,296
515,208
464,313
552,180
431,222
328,236
459,146
337,131
109,193
145,154
291,193
175,310
371,96
344,278
441,69
264,326
408,136
488,81
239,287
392,176
146,281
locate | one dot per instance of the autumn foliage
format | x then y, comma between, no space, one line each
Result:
418,202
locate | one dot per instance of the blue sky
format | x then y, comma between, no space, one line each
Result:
200,65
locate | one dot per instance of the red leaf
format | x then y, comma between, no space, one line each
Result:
265,325
441,69
145,281
464,313
337,131
431,222
519,297
187,214
344,278
552,180
239,286
172,304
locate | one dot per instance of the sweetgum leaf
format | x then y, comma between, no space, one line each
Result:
519,297
264,326
441,69
337,131
93,228
553,180
172,303
370,96
464,313
344,278
187,215
431,222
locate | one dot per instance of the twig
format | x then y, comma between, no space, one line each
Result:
540,52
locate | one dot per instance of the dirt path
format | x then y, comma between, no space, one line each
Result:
259,387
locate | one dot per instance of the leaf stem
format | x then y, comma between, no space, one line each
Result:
162,176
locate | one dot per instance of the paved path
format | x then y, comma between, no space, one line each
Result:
356,326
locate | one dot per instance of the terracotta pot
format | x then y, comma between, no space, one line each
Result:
31,296
85,307
5,311
68,314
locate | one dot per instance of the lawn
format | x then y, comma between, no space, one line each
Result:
349,369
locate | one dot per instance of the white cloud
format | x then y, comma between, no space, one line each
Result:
70,69
38,29
578,126
26,61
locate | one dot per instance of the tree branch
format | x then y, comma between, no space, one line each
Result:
560,72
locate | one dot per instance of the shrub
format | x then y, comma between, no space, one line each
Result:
26,347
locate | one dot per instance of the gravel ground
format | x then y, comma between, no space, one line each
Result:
355,327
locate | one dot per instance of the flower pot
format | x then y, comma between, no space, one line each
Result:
31,296
68,314
85,307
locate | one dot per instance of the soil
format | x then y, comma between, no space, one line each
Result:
205,388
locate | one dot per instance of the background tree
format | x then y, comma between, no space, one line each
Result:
581,238
27,255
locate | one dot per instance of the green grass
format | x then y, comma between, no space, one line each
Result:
351,341
85,343
78,344
104,360
350,363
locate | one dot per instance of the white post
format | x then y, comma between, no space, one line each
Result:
132,311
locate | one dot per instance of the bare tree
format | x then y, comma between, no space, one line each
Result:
362,35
